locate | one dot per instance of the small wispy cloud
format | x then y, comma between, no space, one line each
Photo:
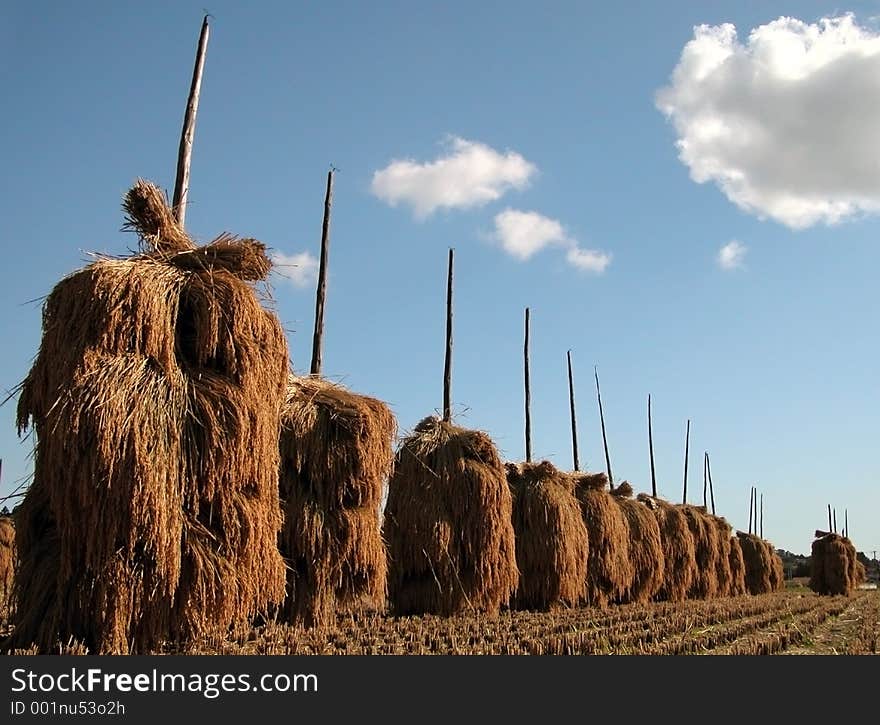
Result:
732,255
522,234
589,260
470,174
525,233
301,270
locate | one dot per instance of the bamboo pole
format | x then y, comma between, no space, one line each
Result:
574,433
447,366
687,440
651,450
528,392
184,151
604,436
318,339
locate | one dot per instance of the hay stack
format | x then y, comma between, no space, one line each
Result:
551,538
7,565
861,575
737,569
757,562
777,570
679,556
610,568
154,514
336,454
448,524
645,546
723,532
830,569
705,584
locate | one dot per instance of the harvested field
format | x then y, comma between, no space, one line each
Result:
793,621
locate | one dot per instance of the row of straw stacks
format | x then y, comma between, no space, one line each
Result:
186,485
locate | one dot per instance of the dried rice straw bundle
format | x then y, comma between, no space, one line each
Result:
336,455
679,554
645,546
156,395
448,524
610,570
551,538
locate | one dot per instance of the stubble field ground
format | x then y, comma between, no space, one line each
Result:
794,621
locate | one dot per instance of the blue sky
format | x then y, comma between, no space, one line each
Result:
535,139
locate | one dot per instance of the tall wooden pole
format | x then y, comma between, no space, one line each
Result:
705,482
835,520
830,525
651,450
687,440
447,367
604,437
574,431
711,489
751,507
528,392
184,152
762,517
318,339
846,523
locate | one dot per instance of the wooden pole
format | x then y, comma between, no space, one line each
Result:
447,367
830,525
762,517
845,522
318,339
604,437
651,450
528,392
705,482
574,432
184,152
687,440
835,521
751,507
711,489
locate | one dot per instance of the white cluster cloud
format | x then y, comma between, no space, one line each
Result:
523,234
301,270
732,255
786,122
470,174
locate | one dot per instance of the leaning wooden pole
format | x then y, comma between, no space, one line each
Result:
751,507
651,450
447,366
184,152
528,402
705,482
318,339
711,488
574,430
604,436
830,525
687,441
